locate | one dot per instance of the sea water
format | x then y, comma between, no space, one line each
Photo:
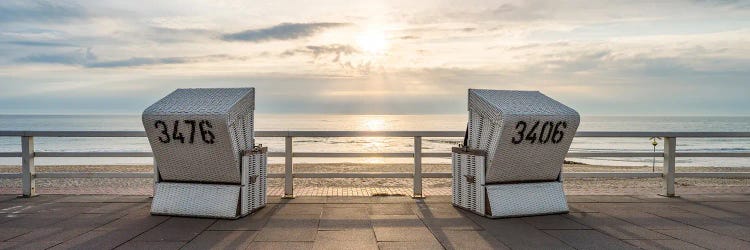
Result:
382,122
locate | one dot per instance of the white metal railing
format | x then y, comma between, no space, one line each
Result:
28,173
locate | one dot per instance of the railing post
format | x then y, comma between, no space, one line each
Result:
417,167
288,169
27,166
670,146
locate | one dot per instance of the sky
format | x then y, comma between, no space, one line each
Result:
377,57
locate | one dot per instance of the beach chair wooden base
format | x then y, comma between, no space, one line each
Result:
226,201
470,191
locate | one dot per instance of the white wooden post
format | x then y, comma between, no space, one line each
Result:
288,169
418,167
670,146
27,166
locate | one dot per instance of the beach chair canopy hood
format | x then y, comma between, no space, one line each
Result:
199,134
524,133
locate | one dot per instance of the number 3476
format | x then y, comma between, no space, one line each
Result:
549,132
204,127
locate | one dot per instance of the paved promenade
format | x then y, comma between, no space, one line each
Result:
720,221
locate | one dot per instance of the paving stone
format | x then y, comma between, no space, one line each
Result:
418,234
176,229
131,199
106,208
583,207
297,200
274,245
663,244
615,227
468,240
458,223
140,245
28,244
327,244
348,239
438,199
406,245
87,198
137,220
51,234
440,210
711,224
737,207
351,200
716,197
347,235
67,229
705,238
100,239
32,221
553,222
400,228
589,239
7,197
517,234
717,212
222,240
659,198
390,209
345,205
393,199
614,198
646,220
344,218
578,198
254,221
292,227
396,221
294,209
9,233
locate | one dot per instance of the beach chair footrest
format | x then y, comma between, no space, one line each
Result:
526,199
196,199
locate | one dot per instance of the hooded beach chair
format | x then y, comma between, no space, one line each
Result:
511,162
205,161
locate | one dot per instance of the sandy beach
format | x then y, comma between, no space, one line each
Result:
582,186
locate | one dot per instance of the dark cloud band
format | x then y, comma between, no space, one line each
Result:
284,31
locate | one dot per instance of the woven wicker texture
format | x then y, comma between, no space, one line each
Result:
226,113
195,199
468,187
523,199
257,171
493,127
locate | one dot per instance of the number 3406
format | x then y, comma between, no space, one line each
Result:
549,132
204,128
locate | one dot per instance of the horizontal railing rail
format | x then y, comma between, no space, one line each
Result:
28,154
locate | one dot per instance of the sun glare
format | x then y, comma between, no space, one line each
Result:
375,124
373,42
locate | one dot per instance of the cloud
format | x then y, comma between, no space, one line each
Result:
284,31
40,44
77,57
318,51
86,58
39,11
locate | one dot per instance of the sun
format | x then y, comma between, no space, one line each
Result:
373,42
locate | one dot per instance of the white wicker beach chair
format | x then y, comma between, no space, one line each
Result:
511,161
205,161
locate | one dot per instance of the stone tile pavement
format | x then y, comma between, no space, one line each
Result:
714,221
